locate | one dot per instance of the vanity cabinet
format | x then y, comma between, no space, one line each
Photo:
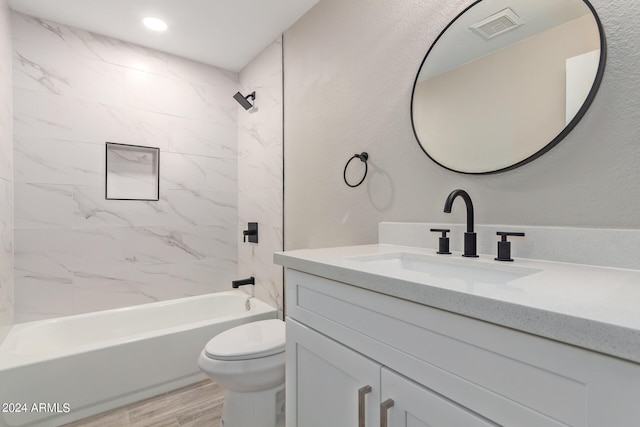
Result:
352,351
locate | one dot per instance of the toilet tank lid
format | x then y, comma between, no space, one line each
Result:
249,341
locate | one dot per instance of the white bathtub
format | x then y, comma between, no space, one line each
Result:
56,371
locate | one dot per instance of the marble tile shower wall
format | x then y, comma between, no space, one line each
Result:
77,252
260,172
6,174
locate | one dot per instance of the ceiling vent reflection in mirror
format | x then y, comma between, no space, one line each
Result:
496,24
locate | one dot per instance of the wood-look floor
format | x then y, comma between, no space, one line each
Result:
198,405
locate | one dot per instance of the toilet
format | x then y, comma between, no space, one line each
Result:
248,361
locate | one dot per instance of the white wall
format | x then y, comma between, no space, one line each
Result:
77,252
260,173
349,72
6,173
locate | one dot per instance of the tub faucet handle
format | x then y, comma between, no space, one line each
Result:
252,232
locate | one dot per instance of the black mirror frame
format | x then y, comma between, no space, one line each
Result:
568,128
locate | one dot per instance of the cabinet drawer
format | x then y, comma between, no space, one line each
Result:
508,376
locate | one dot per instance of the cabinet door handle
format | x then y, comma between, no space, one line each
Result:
361,393
384,408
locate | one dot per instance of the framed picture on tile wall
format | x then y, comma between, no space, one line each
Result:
132,172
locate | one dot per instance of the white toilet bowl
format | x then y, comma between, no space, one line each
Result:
248,361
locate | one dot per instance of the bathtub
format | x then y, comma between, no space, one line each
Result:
60,370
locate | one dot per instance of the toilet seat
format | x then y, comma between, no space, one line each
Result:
249,341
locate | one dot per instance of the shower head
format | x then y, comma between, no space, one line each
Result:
244,100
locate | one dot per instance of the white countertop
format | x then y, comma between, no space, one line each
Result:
597,308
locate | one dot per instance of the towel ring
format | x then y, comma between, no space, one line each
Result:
363,157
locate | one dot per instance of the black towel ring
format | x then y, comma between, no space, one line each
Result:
363,157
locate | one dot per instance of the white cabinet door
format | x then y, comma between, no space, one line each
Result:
324,380
416,406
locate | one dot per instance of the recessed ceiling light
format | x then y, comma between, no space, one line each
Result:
155,24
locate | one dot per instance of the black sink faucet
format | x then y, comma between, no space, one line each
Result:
470,235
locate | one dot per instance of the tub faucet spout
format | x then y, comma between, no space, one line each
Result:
237,283
470,235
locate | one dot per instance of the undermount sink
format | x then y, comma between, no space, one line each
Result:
468,270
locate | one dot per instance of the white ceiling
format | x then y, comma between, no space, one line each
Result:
224,33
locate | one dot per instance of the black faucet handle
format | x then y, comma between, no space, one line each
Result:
444,231
443,241
251,232
504,246
504,234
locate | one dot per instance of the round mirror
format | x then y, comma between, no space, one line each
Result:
505,81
